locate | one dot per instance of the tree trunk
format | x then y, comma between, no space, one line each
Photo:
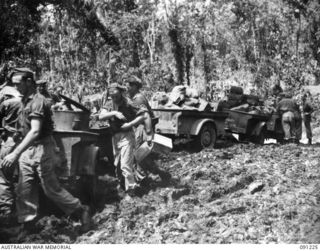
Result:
189,56
177,52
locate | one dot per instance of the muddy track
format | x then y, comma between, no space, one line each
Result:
241,193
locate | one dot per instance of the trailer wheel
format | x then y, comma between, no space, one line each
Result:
207,137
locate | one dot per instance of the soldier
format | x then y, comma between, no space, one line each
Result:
307,110
290,117
10,107
143,132
37,156
9,112
123,117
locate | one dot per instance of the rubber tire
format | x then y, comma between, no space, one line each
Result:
207,129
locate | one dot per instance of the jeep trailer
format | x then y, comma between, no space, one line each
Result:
204,126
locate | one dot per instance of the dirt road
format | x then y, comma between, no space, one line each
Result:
238,194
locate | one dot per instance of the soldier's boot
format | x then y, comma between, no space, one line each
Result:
309,141
83,213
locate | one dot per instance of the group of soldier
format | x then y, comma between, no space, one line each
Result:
132,123
29,153
293,112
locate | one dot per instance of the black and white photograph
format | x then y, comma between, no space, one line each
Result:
159,122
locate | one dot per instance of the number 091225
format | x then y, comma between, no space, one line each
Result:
308,247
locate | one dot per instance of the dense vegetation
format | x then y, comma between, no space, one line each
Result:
212,43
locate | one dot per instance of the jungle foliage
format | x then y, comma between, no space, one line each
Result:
208,44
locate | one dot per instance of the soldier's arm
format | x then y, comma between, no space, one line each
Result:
104,114
32,135
138,120
140,111
36,124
